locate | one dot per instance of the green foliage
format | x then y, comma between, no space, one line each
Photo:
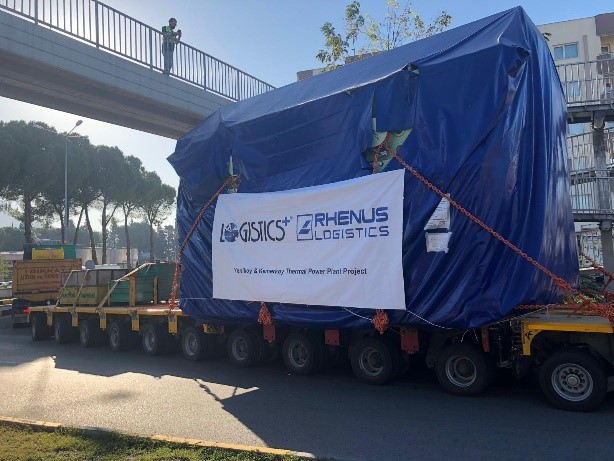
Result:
11,239
363,37
156,205
4,270
33,161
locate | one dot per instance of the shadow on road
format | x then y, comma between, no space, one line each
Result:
332,413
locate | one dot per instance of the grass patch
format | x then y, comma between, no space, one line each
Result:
24,443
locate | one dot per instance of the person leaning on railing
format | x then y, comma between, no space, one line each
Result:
169,39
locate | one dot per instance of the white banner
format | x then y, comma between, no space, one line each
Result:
332,245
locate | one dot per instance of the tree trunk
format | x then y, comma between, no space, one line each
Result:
128,261
91,232
152,254
74,241
27,218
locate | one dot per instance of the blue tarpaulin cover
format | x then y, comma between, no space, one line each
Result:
488,120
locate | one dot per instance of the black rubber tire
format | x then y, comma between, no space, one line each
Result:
89,332
154,339
372,361
38,327
302,354
244,348
463,369
63,330
573,380
194,344
119,336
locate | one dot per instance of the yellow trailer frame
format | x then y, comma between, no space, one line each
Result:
561,321
135,314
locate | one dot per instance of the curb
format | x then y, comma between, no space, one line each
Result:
50,426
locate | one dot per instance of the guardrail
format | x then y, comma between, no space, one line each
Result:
590,82
581,150
592,192
111,30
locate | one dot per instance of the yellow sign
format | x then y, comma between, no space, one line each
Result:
88,296
47,253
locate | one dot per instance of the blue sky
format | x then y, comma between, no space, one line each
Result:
270,39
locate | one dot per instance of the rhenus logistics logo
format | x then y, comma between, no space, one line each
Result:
343,224
335,225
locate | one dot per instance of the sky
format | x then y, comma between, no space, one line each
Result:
269,39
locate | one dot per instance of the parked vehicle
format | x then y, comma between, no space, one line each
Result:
37,281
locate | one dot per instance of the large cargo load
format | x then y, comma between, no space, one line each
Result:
478,111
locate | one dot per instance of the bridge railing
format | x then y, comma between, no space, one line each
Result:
590,82
581,150
111,30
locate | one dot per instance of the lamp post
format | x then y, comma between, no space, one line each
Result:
66,137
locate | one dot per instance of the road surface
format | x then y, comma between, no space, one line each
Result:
329,415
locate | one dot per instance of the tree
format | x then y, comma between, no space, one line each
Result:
34,168
156,204
88,192
130,197
4,270
112,178
9,163
364,37
51,203
11,239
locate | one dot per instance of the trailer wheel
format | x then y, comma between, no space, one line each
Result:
193,344
119,336
89,333
38,328
244,348
464,370
372,361
573,380
301,354
154,339
62,329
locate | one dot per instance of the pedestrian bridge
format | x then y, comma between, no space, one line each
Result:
86,58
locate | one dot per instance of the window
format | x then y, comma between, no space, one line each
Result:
567,51
605,48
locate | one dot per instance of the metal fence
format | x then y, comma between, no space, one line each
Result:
591,179
590,82
111,30
581,150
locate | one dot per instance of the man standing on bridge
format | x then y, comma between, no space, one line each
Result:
169,39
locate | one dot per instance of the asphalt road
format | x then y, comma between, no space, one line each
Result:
329,415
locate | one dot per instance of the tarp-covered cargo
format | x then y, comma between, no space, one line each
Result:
488,121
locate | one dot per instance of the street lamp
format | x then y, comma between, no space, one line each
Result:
66,136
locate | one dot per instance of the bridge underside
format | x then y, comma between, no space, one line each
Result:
586,113
46,68
46,86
